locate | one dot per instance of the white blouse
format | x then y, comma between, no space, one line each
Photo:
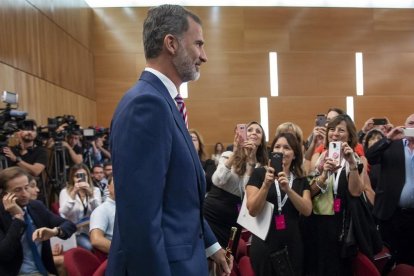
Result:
227,179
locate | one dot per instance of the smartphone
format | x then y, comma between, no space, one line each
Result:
320,120
81,176
276,162
380,121
409,132
334,151
242,131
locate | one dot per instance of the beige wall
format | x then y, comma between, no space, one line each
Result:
45,57
316,59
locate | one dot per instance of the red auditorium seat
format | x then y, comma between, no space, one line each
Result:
245,267
362,266
101,269
402,270
80,262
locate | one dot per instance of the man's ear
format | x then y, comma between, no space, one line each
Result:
171,44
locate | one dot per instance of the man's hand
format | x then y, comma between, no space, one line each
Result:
10,205
44,233
224,265
9,153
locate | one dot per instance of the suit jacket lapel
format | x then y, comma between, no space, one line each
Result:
160,87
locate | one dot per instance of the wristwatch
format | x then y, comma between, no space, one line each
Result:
18,159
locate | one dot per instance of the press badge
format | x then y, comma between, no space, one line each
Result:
280,222
337,205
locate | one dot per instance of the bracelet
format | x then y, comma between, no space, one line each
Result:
252,164
318,182
322,189
354,168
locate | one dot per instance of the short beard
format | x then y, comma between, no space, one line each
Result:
184,66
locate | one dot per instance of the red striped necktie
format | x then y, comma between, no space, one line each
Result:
181,108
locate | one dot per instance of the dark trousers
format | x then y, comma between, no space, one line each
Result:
398,233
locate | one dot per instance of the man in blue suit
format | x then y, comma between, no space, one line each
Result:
159,228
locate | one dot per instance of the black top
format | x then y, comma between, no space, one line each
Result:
298,185
36,154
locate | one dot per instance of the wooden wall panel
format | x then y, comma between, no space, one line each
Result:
73,16
45,57
316,61
35,44
42,99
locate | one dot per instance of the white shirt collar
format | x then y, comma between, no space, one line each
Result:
165,80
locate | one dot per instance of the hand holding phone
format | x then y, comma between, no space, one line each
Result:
276,161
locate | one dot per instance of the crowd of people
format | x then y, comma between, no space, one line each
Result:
36,197
331,207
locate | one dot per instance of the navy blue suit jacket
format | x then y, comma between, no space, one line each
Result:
160,186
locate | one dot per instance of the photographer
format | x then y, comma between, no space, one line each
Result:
94,149
26,154
73,148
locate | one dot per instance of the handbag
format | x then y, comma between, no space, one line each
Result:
281,263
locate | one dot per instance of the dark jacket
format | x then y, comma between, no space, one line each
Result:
11,230
390,154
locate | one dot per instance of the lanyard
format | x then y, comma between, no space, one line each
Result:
337,177
85,206
280,202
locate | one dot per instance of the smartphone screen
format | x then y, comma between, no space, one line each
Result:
334,151
81,176
242,131
320,120
276,162
379,121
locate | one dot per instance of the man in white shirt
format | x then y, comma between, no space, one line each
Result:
102,221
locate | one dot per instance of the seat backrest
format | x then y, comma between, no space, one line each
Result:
362,266
245,267
241,250
101,269
80,262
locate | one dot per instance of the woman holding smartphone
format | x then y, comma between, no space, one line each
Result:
78,200
222,204
289,191
337,188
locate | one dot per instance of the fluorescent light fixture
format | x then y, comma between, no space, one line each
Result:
359,71
264,116
184,90
274,79
263,3
350,107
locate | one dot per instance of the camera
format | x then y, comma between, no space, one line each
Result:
53,125
11,120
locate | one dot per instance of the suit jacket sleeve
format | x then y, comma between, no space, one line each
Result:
10,238
374,153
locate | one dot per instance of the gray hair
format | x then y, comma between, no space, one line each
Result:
161,21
